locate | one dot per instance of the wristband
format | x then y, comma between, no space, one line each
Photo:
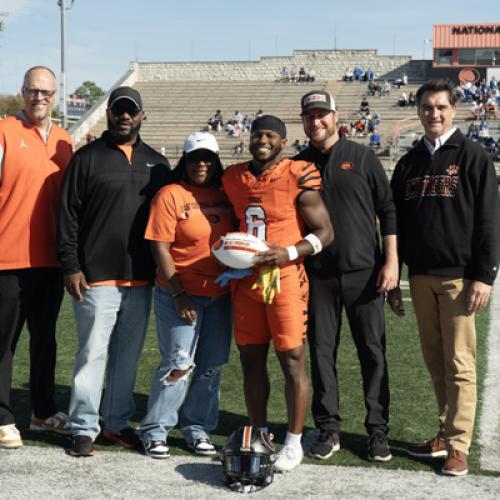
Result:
292,252
178,294
315,243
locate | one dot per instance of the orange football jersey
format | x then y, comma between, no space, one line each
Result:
266,205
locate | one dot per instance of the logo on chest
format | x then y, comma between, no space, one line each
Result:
347,165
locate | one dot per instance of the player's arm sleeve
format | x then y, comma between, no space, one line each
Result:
382,196
486,239
70,210
162,220
308,177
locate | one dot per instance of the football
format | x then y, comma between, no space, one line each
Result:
238,250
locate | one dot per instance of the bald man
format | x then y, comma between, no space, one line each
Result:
34,154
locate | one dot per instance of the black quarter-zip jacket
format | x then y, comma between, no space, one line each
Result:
448,210
105,208
355,191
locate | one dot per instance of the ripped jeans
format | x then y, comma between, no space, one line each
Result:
201,348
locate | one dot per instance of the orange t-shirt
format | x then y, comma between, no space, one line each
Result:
31,173
266,206
191,219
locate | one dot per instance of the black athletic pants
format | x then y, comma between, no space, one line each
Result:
33,296
356,292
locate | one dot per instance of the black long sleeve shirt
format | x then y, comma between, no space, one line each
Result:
448,210
355,191
105,208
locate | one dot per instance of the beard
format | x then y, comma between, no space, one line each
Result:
121,136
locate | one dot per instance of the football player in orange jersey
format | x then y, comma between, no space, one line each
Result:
275,199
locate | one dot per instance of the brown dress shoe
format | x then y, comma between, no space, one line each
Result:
455,464
434,448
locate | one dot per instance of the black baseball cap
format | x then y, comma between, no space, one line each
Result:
317,99
125,93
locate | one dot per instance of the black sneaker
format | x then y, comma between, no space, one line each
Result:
156,449
378,447
127,438
327,443
82,446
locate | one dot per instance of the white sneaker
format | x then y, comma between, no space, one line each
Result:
288,458
10,437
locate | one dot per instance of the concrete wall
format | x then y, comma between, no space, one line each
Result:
328,64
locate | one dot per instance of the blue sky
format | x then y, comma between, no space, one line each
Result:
104,35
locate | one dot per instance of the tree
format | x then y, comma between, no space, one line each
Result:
11,104
89,91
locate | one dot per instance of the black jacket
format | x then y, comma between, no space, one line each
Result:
355,191
448,210
105,208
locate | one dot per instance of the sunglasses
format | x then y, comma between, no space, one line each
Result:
197,157
119,109
46,94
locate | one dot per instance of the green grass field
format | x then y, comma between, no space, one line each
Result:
413,407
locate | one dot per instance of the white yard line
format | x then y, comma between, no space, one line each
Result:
48,473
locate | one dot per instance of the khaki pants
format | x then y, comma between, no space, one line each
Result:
448,340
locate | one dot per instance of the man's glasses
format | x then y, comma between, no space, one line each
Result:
33,93
119,109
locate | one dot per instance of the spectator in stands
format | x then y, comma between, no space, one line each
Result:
490,107
348,75
238,117
358,73
302,74
412,99
375,118
193,313
216,122
375,140
311,75
402,80
473,132
364,107
369,75
293,75
343,129
475,110
259,114
385,89
285,74
490,145
484,130
403,100
304,145
373,88
296,146
89,137
34,155
239,149
247,123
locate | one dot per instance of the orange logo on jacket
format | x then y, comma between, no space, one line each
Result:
347,165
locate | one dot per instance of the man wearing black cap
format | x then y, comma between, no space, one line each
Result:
108,268
351,273
275,198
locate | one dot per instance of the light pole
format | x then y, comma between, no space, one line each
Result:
62,96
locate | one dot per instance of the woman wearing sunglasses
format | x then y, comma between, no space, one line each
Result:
193,314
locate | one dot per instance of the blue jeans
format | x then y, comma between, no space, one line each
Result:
111,323
203,348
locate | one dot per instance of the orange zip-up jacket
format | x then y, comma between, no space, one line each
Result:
31,173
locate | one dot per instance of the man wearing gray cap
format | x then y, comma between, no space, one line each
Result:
350,273
108,268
